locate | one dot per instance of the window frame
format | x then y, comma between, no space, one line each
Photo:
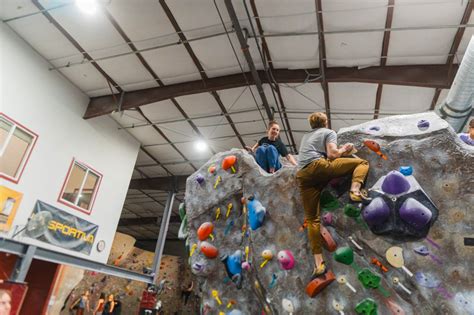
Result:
94,194
25,161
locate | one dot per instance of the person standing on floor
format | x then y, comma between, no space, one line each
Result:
109,305
82,304
99,308
319,161
268,149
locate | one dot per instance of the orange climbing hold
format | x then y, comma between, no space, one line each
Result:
205,230
229,162
209,250
318,284
328,242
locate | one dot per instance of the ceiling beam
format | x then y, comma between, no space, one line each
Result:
202,72
146,221
169,183
266,52
383,61
434,76
322,59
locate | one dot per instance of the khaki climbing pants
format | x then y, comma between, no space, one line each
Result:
313,178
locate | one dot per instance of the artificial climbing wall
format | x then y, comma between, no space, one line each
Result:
174,276
407,252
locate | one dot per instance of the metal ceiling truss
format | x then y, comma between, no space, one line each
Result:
383,61
202,72
433,76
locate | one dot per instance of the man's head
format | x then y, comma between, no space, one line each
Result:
273,130
471,129
318,120
5,302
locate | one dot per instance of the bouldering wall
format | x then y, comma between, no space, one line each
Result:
173,277
404,253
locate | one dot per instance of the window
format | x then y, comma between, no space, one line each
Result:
81,186
16,144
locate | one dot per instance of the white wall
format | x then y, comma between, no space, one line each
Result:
49,105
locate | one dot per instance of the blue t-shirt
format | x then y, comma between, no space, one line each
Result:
466,138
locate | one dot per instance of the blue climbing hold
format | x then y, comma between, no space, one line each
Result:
233,266
422,250
426,280
406,170
256,213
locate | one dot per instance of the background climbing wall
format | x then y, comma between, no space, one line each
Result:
441,281
172,270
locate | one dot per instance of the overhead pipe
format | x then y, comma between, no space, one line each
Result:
458,105
245,49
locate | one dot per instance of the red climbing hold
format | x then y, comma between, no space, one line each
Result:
318,284
328,242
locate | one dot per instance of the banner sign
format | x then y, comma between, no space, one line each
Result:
54,226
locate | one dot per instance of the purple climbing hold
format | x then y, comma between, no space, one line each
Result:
376,212
374,128
422,250
415,213
200,179
395,183
327,218
423,124
426,280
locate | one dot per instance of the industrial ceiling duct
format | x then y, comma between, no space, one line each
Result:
457,107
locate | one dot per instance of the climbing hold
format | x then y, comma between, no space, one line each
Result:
423,124
395,183
247,250
229,207
415,213
212,169
328,242
182,211
205,230
267,256
422,250
199,179
394,308
338,307
209,250
343,280
318,284
375,147
231,303
328,202
352,211
379,264
193,248
287,305
426,280
366,307
355,243
229,162
246,265
235,312
376,212
233,264
396,281
344,255
273,282
286,259
406,170
369,279
228,227
215,295
256,213
328,218
218,213
394,257
218,180
374,128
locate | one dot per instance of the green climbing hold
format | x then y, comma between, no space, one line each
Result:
344,255
352,211
369,279
182,211
366,307
328,202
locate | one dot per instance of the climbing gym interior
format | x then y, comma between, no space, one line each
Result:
228,157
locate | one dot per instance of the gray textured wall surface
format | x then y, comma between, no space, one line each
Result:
443,282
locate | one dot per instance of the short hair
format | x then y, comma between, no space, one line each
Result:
471,123
317,120
272,123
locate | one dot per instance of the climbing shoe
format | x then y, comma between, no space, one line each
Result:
362,196
319,271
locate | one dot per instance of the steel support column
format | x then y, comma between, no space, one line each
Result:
23,265
160,245
248,56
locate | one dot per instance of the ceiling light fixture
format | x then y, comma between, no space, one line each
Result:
87,6
200,145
